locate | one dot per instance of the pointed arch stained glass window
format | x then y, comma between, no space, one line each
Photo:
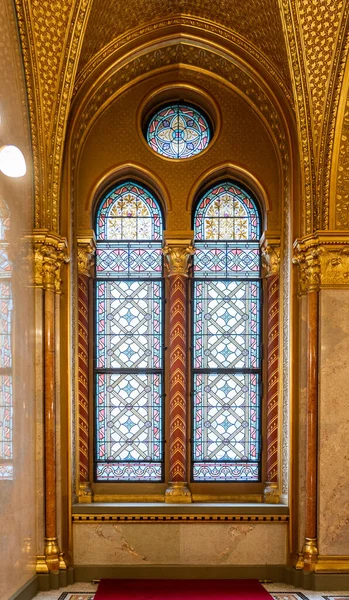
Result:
226,337
178,131
128,355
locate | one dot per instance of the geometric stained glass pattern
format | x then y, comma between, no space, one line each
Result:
129,337
6,308
178,131
226,356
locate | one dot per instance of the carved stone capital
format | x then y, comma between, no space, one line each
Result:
50,252
270,247
177,250
323,260
86,249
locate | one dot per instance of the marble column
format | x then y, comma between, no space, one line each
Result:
50,251
177,251
271,264
85,254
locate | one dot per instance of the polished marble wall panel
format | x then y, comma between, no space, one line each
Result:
181,544
18,520
333,487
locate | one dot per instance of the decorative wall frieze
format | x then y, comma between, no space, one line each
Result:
270,247
177,251
50,253
86,249
323,261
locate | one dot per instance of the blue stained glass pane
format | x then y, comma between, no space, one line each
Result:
129,260
226,324
226,336
129,324
226,424
217,259
128,339
178,131
129,424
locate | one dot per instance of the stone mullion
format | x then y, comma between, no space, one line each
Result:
270,245
271,490
85,254
177,252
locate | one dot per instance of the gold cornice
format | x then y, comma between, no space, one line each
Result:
332,564
182,22
323,261
181,517
270,247
177,250
86,248
50,252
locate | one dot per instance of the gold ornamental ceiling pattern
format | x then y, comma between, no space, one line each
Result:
258,22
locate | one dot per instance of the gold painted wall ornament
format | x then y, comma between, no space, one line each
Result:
323,260
50,253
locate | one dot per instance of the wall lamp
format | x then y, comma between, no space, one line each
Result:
12,161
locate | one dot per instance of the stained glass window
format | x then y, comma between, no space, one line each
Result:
129,340
6,408
226,337
178,131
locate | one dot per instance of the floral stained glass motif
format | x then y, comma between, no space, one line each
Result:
129,344
178,131
226,337
6,307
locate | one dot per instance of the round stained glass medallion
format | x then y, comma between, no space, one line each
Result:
178,131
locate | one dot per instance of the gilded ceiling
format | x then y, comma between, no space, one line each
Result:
260,27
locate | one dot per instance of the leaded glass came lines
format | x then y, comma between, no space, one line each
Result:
129,344
178,131
226,337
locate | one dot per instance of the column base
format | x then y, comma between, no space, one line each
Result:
85,494
310,554
41,565
52,554
271,493
178,493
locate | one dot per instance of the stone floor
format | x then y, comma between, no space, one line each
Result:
279,591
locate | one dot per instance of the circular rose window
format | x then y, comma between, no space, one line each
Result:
178,131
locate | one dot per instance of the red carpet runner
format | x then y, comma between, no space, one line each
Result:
177,589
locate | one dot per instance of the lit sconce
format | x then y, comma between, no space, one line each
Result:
12,161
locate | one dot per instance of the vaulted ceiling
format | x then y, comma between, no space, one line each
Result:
258,23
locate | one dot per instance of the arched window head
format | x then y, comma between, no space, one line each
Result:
178,131
129,336
226,357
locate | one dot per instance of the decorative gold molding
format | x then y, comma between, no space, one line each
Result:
178,493
332,564
177,251
323,260
271,493
270,247
86,248
85,493
177,518
50,252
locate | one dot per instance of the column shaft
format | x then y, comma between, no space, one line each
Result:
83,377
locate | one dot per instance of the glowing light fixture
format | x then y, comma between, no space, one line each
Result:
12,162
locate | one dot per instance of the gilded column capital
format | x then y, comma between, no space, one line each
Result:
270,248
86,249
323,260
177,250
50,252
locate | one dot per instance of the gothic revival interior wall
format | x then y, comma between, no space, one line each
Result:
21,477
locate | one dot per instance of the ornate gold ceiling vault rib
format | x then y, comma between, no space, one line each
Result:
183,23
331,113
51,36
290,20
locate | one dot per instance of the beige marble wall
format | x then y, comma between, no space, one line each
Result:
333,488
17,495
182,544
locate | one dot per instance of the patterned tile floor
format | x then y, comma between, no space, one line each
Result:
279,591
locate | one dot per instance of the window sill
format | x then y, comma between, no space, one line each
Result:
159,512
